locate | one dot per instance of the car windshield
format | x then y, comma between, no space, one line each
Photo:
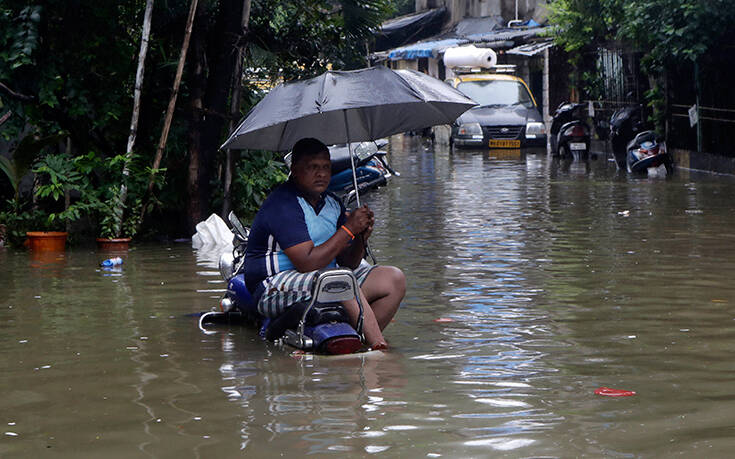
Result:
496,93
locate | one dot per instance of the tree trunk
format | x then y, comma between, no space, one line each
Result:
174,93
220,47
136,107
235,101
197,82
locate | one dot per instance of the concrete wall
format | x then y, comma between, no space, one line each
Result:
460,9
687,159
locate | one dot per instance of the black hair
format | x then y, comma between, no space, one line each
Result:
305,147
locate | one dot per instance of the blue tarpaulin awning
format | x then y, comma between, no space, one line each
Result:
425,49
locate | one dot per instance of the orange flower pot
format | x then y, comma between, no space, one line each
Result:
47,241
113,244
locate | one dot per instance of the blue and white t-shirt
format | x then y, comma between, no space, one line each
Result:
285,219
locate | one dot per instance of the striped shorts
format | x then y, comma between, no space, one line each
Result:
288,287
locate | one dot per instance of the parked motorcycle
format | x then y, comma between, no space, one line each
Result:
570,134
635,148
320,325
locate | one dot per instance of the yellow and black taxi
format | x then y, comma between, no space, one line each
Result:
506,116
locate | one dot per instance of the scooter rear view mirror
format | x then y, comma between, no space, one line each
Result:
240,230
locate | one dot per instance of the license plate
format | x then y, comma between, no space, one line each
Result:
505,153
497,143
576,146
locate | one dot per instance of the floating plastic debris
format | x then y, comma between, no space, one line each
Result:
110,262
608,392
624,213
444,320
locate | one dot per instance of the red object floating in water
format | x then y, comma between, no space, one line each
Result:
443,319
608,392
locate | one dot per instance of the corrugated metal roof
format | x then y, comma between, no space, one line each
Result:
531,49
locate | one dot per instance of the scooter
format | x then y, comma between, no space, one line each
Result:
319,326
570,135
635,148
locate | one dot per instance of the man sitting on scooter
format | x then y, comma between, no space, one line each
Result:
301,228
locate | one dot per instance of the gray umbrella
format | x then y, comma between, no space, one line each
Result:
374,102
351,106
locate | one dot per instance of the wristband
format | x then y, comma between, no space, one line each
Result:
352,236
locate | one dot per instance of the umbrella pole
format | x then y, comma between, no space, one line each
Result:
352,159
354,183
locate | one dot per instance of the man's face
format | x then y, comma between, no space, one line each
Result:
312,173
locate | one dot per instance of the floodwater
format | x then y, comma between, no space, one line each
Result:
552,279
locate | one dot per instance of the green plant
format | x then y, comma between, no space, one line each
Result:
19,218
58,176
256,175
23,157
112,211
115,218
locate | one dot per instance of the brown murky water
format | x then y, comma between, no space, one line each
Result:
554,279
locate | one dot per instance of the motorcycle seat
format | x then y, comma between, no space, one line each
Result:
645,136
340,160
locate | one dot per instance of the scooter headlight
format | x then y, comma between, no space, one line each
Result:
535,129
473,129
226,265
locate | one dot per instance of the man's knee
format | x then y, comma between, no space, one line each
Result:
396,279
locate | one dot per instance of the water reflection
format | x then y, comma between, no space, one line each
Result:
323,404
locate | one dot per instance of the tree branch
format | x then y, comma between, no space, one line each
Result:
14,94
5,117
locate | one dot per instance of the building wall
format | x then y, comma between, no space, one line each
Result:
460,9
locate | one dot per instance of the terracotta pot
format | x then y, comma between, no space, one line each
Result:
113,244
47,241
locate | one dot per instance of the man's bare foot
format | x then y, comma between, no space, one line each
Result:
380,346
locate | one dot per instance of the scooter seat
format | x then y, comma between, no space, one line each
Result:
645,136
340,157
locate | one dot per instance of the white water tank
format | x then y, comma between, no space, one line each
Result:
470,56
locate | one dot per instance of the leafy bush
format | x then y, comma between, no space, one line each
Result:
257,175
19,218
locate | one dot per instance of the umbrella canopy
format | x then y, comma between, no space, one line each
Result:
348,106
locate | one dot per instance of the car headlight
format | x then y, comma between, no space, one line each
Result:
534,129
472,129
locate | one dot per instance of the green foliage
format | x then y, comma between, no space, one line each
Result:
71,62
584,24
19,218
664,30
256,176
300,38
24,155
59,174
673,30
114,218
402,7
